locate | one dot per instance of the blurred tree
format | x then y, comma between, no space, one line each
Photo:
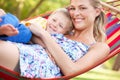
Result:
27,8
116,65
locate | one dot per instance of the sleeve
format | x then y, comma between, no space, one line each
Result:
9,19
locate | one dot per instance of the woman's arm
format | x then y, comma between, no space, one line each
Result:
96,53
37,40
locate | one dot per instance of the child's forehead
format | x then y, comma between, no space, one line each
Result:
59,14
62,17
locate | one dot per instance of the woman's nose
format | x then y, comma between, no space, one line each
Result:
77,12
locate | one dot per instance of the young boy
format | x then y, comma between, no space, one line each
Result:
58,22
12,30
60,16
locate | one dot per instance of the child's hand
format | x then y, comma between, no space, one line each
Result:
8,30
36,29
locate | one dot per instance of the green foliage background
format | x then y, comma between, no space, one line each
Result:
27,8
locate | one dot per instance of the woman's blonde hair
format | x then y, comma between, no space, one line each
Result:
99,26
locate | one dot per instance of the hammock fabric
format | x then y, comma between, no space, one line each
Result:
113,40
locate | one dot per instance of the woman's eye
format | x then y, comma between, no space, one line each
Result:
71,8
82,8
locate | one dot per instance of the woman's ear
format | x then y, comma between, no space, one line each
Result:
98,11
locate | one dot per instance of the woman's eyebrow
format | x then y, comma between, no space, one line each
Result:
81,5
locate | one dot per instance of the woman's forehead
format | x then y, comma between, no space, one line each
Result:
79,2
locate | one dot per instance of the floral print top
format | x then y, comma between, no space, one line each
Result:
35,62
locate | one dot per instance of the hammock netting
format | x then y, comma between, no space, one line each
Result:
113,40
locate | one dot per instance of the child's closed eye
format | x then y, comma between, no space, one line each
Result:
60,26
54,20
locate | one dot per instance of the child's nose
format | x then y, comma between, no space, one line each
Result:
55,25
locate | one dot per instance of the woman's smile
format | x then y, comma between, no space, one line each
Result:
78,20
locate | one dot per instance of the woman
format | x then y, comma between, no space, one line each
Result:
89,30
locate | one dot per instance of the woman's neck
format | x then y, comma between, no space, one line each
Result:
85,37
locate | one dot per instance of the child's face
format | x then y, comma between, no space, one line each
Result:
58,23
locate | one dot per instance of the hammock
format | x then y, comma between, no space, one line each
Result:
113,40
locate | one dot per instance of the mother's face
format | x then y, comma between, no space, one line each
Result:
82,13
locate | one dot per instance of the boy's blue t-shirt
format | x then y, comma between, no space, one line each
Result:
24,35
9,19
